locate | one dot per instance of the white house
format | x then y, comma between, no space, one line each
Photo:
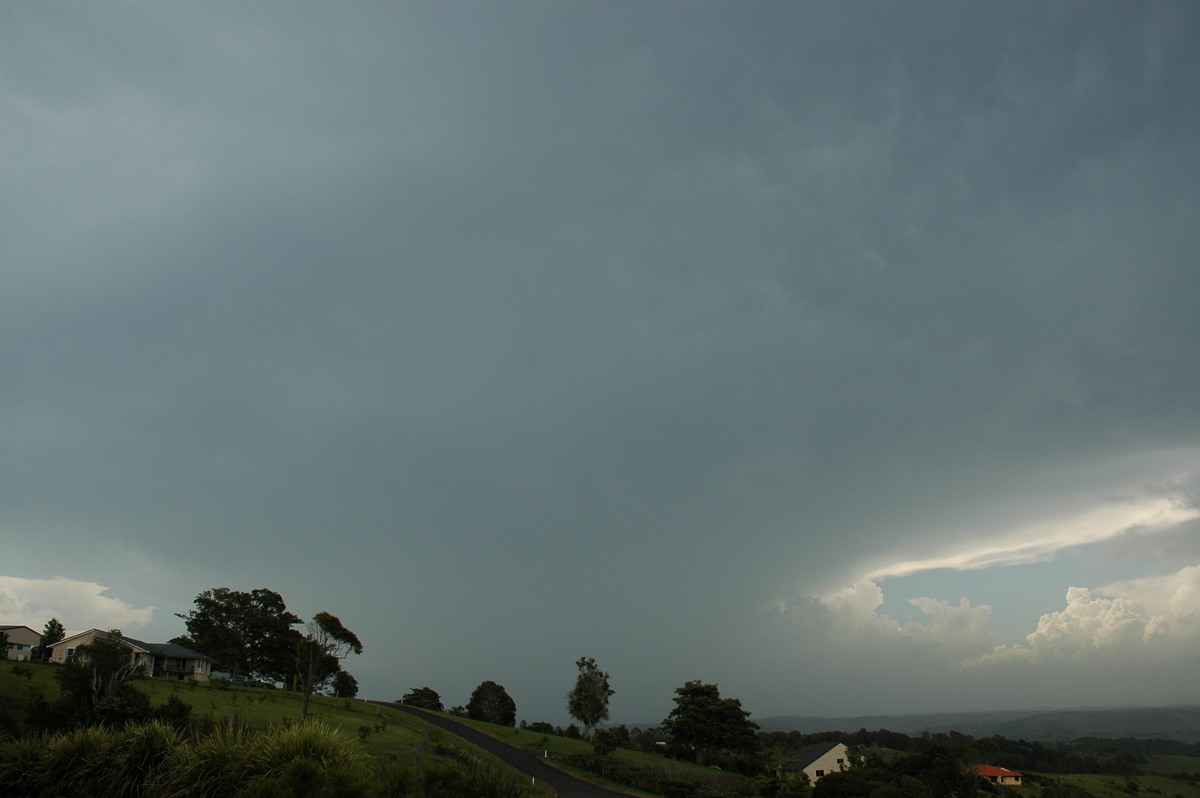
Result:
818,759
161,660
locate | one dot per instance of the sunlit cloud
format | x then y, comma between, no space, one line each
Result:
1042,541
1128,623
78,605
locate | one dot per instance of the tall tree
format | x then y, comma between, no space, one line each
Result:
248,633
491,703
319,654
704,721
588,701
53,632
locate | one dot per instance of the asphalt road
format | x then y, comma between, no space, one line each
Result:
564,784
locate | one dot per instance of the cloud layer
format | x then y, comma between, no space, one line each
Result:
517,333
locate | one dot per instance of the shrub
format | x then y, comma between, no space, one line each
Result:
215,766
304,778
311,740
69,761
132,755
21,765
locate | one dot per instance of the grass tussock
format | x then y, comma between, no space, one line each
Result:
158,760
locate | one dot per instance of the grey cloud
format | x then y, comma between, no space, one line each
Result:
690,299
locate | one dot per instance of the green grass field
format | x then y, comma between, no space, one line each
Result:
1108,786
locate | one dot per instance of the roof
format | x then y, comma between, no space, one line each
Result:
811,753
992,771
10,627
169,650
161,649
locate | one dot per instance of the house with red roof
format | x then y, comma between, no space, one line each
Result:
998,775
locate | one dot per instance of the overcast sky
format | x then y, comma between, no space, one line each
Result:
842,354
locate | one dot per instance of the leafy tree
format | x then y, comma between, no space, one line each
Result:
492,704
53,632
320,652
344,685
588,702
423,698
95,685
3,645
604,742
248,633
703,721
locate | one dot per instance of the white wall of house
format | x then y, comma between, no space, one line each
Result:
21,642
837,758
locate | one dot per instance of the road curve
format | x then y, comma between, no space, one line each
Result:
562,783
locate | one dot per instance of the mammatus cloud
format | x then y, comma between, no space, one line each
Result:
78,605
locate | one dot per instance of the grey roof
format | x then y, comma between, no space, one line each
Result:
167,649
811,753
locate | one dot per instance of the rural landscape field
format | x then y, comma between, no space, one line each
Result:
219,739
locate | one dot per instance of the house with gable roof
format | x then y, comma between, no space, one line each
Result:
819,759
998,775
161,660
21,641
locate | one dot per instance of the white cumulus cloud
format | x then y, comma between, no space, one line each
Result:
78,605
1127,623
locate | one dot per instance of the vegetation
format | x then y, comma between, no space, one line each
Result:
703,721
52,633
156,760
320,653
588,701
491,703
423,698
247,633
232,741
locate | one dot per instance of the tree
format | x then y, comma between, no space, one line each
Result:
703,721
246,633
320,652
588,702
95,684
423,698
492,704
344,685
53,632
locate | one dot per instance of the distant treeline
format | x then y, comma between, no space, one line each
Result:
1086,755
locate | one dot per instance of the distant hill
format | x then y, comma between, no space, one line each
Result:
1170,723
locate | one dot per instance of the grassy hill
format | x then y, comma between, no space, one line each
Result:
388,736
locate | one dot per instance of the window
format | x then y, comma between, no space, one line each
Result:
820,773
841,761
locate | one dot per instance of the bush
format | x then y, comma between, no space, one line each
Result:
132,756
304,778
